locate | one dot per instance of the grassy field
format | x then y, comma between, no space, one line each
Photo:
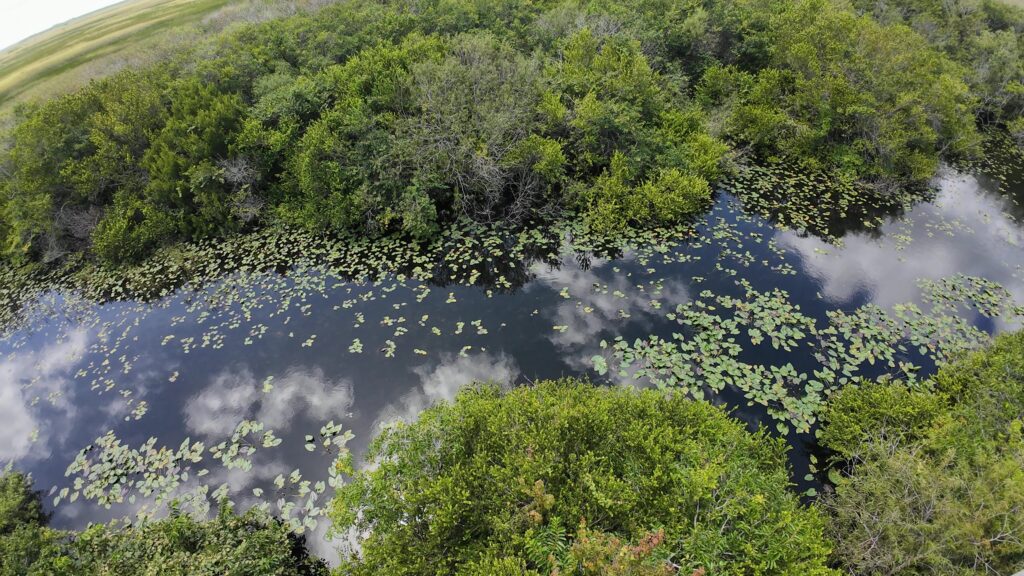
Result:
118,29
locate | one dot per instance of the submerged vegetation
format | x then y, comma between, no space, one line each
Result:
403,116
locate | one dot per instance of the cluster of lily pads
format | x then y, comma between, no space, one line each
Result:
849,347
255,285
219,289
1002,159
110,472
818,203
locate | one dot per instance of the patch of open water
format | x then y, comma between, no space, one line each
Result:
298,350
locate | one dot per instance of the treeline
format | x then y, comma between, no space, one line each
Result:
372,117
570,478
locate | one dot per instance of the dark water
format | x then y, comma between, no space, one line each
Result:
67,380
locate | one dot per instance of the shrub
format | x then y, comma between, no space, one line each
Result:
496,483
33,550
981,35
507,112
131,231
1016,128
888,410
591,553
252,544
19,504
842,92
24,537
477,108
669,197
945,493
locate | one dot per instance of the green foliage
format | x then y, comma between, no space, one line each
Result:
1016,129
24,537
329,173
35,550
250,544
345,172
378,117
44,144
19,504
478,107
70,155
889,410
632,128
843,92
937,481
131,230
180,160
591,553
983,36
670,196
493,481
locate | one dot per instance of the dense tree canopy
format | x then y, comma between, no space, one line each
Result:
937,474
375,117
842,92
497,483
982,35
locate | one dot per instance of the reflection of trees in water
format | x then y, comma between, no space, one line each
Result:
816,204
490,257
498,258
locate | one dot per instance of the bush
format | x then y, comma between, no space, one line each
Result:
840,92
19,504
131,231
670,196
252,544
888,410
1016,128
33,550
937,481
24,537
568,476
981,35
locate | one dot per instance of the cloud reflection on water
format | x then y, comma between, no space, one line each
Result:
32,381
442,382
603,303
964,231
236,394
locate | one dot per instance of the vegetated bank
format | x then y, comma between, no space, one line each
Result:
251,544
570,478
405,116
930,479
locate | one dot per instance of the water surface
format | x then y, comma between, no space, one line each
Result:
281,348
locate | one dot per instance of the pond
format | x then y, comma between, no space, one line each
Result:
736,310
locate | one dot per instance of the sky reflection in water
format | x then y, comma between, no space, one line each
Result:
49,412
